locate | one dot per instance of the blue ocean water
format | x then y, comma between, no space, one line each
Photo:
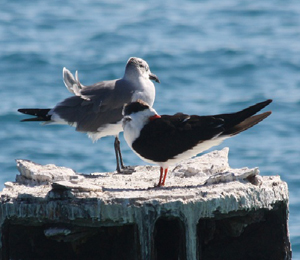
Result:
210,56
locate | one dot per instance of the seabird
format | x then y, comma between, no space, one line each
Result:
168,139
97,109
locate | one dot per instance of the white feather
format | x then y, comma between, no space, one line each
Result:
133,125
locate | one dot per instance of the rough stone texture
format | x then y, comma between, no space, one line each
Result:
206,211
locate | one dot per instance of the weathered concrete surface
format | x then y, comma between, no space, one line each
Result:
204,205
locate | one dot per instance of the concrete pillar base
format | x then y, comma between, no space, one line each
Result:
206,211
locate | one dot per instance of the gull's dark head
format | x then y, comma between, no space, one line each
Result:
135,107
135,116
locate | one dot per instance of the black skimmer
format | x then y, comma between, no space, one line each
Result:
97,109
165,140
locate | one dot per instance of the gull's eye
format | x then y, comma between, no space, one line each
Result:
144,67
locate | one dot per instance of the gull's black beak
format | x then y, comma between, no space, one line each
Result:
154,77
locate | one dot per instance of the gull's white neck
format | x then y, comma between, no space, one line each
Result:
144,87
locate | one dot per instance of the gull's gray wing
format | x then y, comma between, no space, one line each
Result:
97,105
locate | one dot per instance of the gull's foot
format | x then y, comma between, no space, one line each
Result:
126,170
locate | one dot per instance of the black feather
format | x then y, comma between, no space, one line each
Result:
41,114
169,136
135,107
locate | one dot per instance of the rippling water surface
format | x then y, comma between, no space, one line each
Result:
210,56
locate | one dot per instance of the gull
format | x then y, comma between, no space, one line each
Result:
97,109
168,139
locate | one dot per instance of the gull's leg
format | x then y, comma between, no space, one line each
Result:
160,177
117,148
166,171
123,169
